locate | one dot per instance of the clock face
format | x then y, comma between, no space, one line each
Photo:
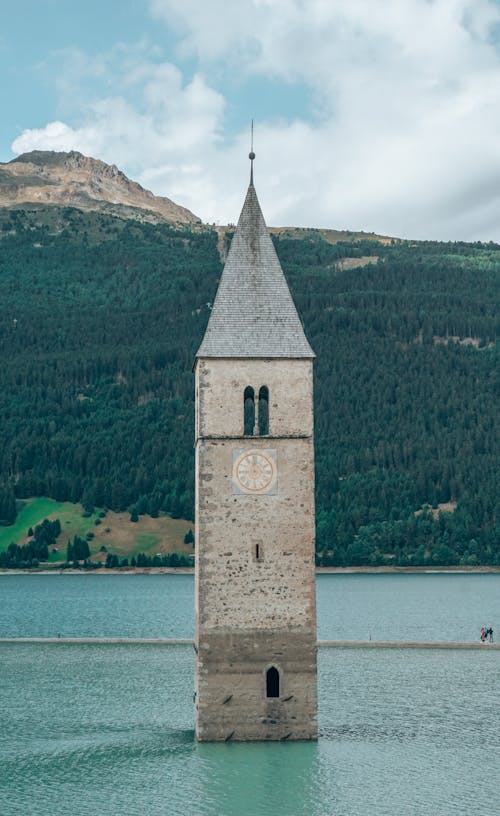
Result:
254,471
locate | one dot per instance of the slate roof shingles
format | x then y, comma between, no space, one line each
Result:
253,313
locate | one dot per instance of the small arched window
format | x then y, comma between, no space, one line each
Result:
272,682
264,411
248,411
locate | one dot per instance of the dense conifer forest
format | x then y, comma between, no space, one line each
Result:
100,319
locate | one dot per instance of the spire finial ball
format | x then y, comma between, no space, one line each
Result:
251,155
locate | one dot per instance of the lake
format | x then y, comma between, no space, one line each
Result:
415,607
107,729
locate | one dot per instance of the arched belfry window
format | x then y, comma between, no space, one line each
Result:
272,682
248,411
264,411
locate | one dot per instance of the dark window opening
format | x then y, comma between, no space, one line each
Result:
272,682
264,411
258,552
248,411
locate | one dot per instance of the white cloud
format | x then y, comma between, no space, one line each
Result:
406,95
55,136
157,139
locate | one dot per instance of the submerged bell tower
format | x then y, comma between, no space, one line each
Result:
255,615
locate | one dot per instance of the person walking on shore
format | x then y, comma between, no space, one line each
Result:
490,632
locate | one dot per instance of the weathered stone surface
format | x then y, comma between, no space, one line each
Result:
254,577
253,613
278,589
232,698
220,385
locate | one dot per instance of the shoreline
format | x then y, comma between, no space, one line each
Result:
453,570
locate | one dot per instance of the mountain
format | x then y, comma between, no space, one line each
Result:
100,320
44,177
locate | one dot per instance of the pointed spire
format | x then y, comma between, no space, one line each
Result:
253,314
251,156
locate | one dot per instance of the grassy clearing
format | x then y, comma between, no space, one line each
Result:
148,535
332,236
354,263
114,531
31,513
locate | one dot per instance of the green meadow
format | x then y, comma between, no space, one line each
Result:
112,532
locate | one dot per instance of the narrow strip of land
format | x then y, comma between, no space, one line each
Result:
97,640
406,644
344,644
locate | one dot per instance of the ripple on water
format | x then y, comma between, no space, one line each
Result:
106,730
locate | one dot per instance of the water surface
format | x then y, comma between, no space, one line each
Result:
414,607
107,730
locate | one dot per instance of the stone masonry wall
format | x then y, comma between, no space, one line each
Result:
232,702
220,385
254,611
237,590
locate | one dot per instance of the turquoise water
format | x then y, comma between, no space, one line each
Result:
413,607
107,730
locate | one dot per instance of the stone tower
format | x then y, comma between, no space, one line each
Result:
255,636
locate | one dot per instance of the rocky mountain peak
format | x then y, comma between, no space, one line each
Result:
72,179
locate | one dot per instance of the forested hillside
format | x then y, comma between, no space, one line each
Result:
100,320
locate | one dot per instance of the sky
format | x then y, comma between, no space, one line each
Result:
375,115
